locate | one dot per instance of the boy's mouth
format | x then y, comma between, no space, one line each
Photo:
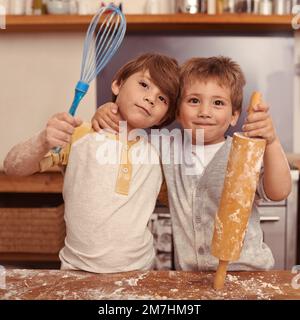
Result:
203,124
146,111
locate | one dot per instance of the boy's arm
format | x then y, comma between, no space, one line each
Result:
277,176
24,159
277,181
107,116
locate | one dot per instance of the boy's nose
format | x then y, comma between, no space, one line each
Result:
204,112
149,100
203,115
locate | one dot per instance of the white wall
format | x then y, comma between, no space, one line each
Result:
38,74
142,6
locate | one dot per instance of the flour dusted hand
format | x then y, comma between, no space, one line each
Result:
24,158
59,130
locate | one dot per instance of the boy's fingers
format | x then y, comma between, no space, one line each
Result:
63,116
61,125
60,135
254,126
257,116
95,125
111,123
66,117
114,118
54,139
261,107
66,127
114,108
104,125
78,121
255,133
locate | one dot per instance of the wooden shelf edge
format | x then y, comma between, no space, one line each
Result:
49,182
172,22
28,257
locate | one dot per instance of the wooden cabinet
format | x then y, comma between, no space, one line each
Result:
31,219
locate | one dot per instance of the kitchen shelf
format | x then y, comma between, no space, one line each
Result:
171,22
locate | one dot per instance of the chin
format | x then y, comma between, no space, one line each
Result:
138,122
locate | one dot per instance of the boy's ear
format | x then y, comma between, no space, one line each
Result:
235,118
115,87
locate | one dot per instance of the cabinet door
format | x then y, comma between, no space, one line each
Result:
273,226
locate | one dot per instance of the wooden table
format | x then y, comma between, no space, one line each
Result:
150,285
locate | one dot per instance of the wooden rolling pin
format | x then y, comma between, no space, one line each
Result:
242,174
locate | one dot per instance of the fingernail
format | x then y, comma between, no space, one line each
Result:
114,111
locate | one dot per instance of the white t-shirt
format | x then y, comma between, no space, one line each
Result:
106,229
202,155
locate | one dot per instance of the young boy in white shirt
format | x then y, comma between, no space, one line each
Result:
108,199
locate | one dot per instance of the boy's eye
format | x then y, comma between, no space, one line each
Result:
143,84
219,103
194,100
163,99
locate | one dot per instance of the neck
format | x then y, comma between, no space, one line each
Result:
125,130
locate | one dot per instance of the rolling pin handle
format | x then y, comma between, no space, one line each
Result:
220,275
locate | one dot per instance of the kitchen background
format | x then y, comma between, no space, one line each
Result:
39,70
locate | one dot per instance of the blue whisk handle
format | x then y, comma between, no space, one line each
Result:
80,91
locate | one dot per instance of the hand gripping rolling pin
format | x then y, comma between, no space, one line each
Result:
242,174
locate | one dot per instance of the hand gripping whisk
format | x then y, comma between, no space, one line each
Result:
104,36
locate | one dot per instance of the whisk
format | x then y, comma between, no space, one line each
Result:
103,38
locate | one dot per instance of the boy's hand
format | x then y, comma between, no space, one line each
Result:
106,117
259,124
59,130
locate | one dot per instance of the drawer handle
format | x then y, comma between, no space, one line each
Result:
269,219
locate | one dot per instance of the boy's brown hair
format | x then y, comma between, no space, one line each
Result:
221,69
164,72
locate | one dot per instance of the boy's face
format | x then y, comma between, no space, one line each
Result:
206,105
141,103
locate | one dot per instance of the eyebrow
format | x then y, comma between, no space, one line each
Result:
220,97
199,95
192,94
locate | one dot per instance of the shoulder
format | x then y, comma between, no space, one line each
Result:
82,131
